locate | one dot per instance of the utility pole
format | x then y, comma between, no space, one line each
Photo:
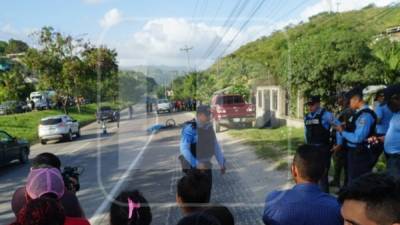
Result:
187,49
337,6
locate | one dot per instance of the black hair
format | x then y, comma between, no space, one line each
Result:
119,210
199,219
46,159
204,109
356,92
309,159
194,188
380,192
392,95
221,213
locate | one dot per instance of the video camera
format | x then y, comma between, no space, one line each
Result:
71,178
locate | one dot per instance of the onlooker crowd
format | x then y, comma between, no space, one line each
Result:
366,198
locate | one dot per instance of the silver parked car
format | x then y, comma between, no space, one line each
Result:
58,128
163,105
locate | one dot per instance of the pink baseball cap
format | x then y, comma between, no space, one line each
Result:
44,180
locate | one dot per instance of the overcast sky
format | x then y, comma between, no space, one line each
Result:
152,32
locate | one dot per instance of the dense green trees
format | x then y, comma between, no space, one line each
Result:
13,85
73,67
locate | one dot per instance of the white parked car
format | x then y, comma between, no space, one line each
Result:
58,128
163,105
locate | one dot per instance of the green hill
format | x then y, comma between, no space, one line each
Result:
329,53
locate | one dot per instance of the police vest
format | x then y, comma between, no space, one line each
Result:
316,132
204,148
351,125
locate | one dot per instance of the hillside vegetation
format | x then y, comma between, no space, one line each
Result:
329,53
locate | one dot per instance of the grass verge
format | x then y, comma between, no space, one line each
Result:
273,144
25,125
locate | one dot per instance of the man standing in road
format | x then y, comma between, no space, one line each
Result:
199,144
362,126
317,132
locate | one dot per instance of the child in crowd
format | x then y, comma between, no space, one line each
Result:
130,208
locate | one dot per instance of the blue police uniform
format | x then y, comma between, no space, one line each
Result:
317,132
383,115
392,146
198,145
318,125
359,155
190,141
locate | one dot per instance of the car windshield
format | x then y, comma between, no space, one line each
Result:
224,100
105,108
51,121
37,97
162,101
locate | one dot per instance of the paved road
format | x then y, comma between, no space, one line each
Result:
130,158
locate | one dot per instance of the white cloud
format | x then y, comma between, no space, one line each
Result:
344,5
111,18
8,29
159,42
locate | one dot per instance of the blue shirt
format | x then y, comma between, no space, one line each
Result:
304,204
384,115
188,137
327,119
392,138
363,126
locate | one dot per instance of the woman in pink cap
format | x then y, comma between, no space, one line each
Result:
44,189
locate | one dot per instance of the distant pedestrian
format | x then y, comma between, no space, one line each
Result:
130,108
32,105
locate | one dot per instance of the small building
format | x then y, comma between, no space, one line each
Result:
275,107
393,33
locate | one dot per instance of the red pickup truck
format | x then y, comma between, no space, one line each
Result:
231,110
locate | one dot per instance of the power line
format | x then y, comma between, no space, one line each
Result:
258,6
237,11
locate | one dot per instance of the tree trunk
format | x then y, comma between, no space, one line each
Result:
78,104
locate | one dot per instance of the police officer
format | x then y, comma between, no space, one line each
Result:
317,132
343,114
199,144
384,114
392,138
361,127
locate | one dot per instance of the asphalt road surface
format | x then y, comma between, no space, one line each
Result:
129,157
